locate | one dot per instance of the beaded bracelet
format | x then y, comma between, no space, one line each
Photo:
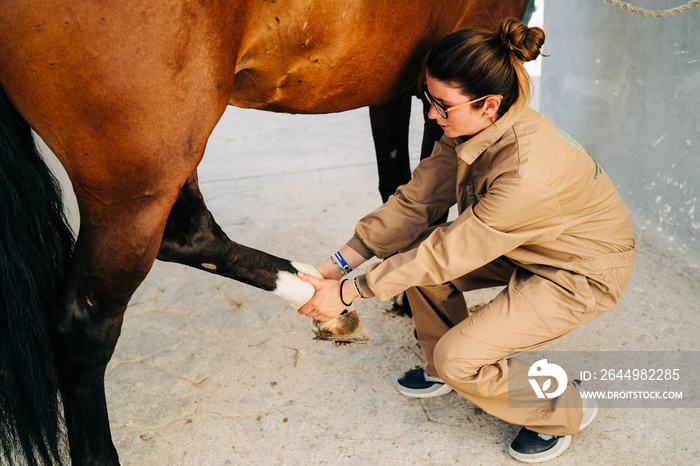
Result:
357,288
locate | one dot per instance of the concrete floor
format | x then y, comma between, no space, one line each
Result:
212,372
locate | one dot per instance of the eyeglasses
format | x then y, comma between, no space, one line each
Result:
441,109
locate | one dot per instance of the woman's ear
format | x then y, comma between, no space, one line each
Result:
491,105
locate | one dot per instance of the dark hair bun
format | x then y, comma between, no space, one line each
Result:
525,42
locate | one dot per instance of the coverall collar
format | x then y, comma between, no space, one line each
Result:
468,149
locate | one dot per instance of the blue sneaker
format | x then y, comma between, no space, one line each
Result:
418,384
531,447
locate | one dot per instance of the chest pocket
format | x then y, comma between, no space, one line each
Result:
468,197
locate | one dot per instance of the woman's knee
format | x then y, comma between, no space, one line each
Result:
456,357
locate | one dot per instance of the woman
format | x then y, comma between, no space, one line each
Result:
536,214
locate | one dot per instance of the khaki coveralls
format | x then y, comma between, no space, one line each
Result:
537,214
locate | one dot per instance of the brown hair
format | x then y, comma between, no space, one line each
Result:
481,62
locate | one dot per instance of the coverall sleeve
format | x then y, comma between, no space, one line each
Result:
414,206
514,212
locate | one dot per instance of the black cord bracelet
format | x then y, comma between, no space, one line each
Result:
342,282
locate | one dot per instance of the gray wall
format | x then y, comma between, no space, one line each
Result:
627,87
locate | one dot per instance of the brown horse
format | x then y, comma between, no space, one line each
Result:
127,96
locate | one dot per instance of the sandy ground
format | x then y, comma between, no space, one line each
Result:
211,372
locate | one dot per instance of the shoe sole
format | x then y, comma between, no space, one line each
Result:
550,454
590,411
431,392
591,418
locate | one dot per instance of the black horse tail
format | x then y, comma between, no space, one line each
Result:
36,242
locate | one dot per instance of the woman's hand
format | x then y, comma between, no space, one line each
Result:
325,304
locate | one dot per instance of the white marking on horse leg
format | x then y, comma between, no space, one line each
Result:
294,290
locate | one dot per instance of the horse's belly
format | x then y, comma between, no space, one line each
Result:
321,58
307,88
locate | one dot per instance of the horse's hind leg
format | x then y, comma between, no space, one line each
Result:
192,237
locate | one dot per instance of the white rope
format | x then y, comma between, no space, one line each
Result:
654,13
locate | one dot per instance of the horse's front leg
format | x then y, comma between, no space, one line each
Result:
390,131
192,237
431,131
116,247
390,122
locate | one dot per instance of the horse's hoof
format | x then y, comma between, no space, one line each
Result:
346,329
